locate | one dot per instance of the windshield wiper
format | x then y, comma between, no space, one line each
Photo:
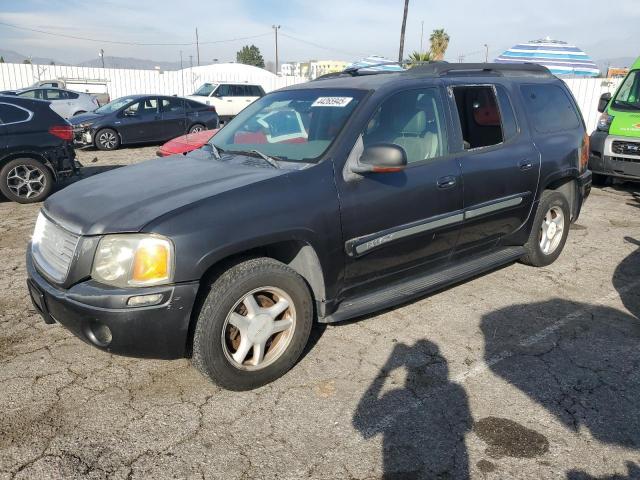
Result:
213,150
270,160
628,104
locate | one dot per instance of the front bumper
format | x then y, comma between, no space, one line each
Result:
98,315
82,137
604,161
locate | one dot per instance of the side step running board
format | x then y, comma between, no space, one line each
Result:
413,287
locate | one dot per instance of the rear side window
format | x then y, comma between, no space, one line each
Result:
173,105
549,108
509,124
255,91
71,95
11,114
479,116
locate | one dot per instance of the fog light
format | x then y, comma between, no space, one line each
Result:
144,300
98,333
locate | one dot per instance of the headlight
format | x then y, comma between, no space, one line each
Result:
133,260
84,126
604,122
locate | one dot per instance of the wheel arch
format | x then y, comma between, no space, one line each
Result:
568,186
299,255
33,156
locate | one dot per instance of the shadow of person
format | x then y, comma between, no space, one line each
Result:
423,423
578,361
633,473
625,279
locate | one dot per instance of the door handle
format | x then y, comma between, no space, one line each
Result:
447,182
525,164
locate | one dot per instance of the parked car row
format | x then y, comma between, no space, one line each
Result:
64,102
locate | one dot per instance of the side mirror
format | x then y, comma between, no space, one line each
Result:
381,158
605,98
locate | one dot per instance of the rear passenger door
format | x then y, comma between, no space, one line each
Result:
500,165
174,117
403,221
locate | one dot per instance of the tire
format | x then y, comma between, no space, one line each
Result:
107,139
600,180
25,180
197,127
217,340
551,205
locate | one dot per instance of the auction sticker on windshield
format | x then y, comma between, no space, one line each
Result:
332,102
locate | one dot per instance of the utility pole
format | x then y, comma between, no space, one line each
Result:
102,57
197,46
404,27
276,28
421,34
486,55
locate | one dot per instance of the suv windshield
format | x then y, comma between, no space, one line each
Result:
115,105
292,125
205,90
628,97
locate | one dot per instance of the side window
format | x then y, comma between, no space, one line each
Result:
148,106
31,94
238,91
224,91
173,105
509,123
11,114
413,120
255,91
51,94
479,116
195,105
71,95
549,108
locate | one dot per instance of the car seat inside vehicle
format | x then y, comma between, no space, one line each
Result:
479,116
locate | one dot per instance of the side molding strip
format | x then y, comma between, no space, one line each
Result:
476,212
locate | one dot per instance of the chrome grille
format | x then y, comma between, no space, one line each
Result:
625,148
53,248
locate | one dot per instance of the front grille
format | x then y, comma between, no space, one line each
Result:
53,249
625,148
625,159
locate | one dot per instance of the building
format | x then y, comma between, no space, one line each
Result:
312,69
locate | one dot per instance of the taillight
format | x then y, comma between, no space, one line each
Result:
584,152
65,132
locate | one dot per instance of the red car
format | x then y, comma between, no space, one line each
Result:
186,143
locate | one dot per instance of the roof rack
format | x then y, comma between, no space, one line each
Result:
444,68
356,71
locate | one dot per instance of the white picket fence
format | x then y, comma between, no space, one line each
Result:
121,82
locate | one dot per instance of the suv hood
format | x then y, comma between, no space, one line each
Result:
126,199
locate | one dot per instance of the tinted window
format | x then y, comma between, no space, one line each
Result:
549,108
173,105
254,91
148,106
71,95
54,95
238,91
413,120
224,90
509,124
11,114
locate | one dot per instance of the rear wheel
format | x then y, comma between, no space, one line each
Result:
198,127
107,139
550,230
253,324
25,180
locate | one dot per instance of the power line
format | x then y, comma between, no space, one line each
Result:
320,46
145,44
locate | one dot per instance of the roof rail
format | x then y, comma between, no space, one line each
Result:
443,68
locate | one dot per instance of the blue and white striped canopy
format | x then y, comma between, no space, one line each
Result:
559,57
374,63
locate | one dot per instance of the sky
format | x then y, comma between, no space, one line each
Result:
312,29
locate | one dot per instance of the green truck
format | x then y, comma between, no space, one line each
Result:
615,145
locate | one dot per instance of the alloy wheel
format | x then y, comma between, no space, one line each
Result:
26,181
259,328
108,140
551,230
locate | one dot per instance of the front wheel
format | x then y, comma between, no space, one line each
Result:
25,180
253,324
107,139
550,230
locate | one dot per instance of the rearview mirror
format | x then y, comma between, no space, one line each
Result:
605,98
381,158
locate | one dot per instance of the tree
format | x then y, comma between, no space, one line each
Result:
1,59
439,43
250,55
27,61
417,58
402,30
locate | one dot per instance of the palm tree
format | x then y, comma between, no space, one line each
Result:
402,30
439,43
417,58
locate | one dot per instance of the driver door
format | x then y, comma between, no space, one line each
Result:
400,222
223,101
141,121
